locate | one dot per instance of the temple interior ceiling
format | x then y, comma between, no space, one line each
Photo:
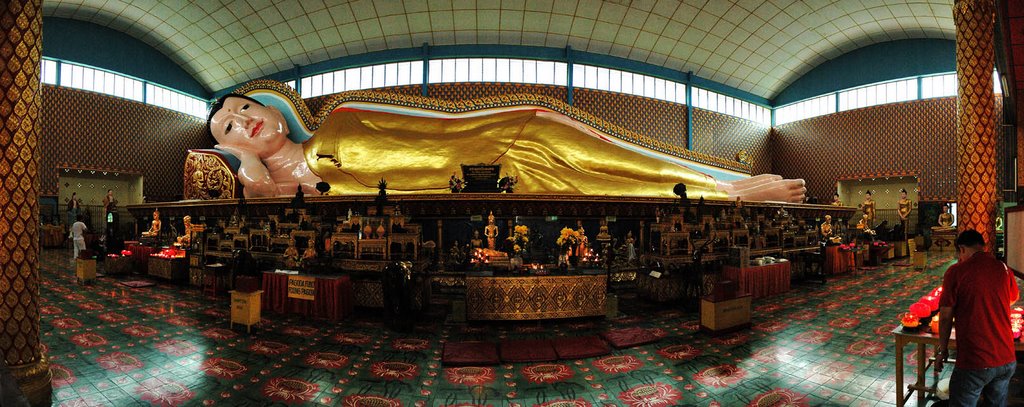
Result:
756,46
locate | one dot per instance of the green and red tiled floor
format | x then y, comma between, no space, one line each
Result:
816,345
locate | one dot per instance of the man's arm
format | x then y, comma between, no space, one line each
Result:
945,329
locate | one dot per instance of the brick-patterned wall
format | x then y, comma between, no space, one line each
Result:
92,131
658,119
910,138
722,135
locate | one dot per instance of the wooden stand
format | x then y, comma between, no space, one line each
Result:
718,317
85,270
174,269
245,308
920,260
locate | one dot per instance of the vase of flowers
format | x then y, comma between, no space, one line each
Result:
569,240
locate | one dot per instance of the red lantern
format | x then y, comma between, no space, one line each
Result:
921,310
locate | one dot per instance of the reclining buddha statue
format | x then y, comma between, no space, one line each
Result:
359,138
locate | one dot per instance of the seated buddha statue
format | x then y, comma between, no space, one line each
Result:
354,145
186,239
826,227
291,256
945,221
154,227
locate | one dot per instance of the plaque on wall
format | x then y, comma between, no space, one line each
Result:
481,177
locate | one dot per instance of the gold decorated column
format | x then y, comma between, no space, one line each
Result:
20,47
975,110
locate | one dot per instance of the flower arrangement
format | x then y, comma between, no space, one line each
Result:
847,247
879,243
568,238
520,238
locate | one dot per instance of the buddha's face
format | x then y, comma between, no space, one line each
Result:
156,215
828,218
249,126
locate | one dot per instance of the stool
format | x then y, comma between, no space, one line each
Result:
212,279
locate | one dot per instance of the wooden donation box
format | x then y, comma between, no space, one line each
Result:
726,315
85,270
245,308
535,297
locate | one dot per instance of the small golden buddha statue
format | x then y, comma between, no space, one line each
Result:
868,207
945,221
491,231
836,201
309,254
291,256
602,232
826,227
864,223
154,227
582,248
186,239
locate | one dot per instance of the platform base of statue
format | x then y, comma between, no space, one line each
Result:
85,271
943,241
724,316
535,297
116,266
173,269
369,292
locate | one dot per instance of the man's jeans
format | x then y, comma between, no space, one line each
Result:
967,385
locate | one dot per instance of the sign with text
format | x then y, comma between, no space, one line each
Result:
481,177
301,287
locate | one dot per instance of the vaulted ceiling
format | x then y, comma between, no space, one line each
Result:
753,45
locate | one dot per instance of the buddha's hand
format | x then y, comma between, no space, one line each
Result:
252,173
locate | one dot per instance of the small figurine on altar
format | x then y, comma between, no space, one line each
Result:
945,221
904,206
630,248
583,248
826,227
476,242
456,184
864,223
868,206
835,200
291,256
309,255
491,231
602,232
186,239
154,227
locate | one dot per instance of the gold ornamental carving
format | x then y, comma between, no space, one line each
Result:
206,172
20,45
535,297
975,126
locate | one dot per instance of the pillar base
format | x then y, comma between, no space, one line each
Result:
34,380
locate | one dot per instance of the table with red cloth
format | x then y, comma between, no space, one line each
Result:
333,300
140,255
760,281
838,261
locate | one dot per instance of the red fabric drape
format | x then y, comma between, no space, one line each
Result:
837,261
334,299
140,255
760,281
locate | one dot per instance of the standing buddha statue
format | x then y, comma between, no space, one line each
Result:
491,231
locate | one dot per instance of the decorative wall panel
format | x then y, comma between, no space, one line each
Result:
92,131
723,136
910,138
658,119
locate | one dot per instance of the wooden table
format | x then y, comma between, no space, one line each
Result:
920,339
333,299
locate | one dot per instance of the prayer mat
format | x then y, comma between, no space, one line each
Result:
137,283
581,347
528,351
629,337
470,354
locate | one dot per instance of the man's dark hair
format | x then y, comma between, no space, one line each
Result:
970,238
78,218
220,104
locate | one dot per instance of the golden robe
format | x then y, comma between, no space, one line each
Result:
353,149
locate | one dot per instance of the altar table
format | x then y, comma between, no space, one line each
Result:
535,297
921,339
140,255
760,281
333,299
838,261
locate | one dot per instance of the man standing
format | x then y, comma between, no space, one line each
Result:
78,235
977,291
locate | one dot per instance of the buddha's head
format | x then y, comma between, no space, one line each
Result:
246,124
828,218
903,193
156,215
